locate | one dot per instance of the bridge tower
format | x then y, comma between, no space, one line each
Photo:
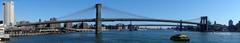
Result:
98,19
204,24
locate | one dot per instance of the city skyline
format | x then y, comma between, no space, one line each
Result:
120,21
217,10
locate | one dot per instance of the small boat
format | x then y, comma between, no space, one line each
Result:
180,37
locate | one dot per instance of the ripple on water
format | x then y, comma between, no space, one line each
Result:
152,36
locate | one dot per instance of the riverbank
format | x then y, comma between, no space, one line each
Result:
30,34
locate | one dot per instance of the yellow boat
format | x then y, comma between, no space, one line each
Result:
180,37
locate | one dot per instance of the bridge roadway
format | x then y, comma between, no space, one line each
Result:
111,20
157,25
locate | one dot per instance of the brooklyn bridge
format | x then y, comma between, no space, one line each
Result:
67,20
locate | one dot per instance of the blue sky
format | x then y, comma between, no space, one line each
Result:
217,10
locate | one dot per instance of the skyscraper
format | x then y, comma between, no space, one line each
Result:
8,13
230,23
238,26
231,26
215,23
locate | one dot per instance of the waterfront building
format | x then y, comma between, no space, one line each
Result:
23,22
120,26
54,25
231,27
68,25
111,27
25,27
39,20
238,26
83,25
215,23
8,13
219,27
230,23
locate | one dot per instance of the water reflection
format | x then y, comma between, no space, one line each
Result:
98,38
203,37
2,41
155,36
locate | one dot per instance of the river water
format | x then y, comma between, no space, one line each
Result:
149,36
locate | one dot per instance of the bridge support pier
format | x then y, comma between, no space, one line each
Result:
204,24
98,19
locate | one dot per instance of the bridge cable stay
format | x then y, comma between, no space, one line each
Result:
193,20
115,13
123,13
132,14
77,13
126,13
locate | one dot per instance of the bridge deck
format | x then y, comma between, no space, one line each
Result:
111,20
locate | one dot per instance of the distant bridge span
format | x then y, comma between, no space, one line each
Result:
111,20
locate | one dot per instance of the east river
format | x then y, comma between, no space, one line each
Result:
147,36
